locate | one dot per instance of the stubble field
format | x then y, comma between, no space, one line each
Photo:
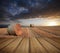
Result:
33,40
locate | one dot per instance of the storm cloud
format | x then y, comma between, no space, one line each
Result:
21,9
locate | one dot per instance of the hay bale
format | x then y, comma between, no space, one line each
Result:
15,29
31,25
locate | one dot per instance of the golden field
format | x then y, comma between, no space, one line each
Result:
33,40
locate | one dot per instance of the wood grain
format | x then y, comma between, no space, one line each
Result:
33,40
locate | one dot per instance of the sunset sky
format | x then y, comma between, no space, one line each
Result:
37,12
40,21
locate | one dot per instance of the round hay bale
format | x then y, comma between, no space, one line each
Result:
31,25
15,29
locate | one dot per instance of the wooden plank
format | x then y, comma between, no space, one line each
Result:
49,47
57,45
50,30
3,40
43,33
35,34
6,43
36,47
53,28
31,34
23,47
56,40
11,47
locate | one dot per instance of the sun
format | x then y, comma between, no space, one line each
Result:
52,23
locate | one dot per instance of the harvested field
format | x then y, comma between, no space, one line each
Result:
33,40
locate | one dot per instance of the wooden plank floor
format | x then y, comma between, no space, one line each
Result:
39,40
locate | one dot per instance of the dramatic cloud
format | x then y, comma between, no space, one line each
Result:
21,9
34,21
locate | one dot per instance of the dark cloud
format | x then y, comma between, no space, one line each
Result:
14,9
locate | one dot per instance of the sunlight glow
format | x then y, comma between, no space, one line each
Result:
52,23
